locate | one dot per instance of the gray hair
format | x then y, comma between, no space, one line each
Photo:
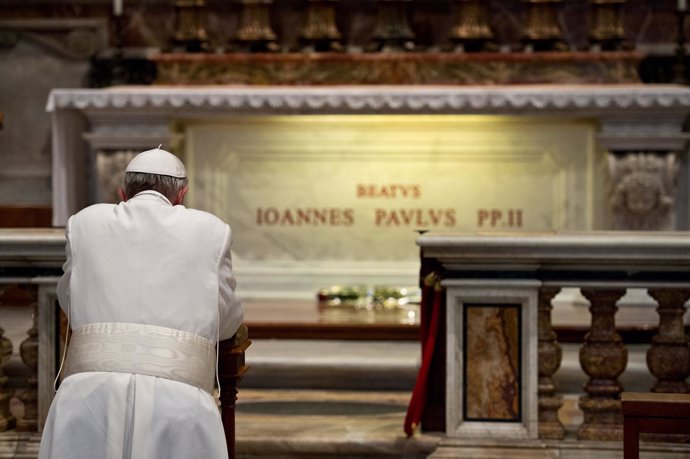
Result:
136,182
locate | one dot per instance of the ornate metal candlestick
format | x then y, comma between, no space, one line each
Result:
321,32
190,34
542,30
393,31
472,33
607,30
255,33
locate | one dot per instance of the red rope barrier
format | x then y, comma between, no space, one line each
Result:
432,289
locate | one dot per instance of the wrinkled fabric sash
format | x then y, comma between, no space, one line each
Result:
143,349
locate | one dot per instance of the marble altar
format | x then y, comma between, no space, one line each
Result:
461,158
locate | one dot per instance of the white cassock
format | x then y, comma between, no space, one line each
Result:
149,286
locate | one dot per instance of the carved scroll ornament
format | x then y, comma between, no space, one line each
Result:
644,187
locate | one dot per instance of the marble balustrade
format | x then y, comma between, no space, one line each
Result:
501,284
500,348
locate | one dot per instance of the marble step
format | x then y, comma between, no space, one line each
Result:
332,364
301,424
388,365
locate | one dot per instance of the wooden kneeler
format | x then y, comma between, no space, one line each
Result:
652,413
231,368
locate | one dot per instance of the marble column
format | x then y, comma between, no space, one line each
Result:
7,420
603,358
550,356
668,358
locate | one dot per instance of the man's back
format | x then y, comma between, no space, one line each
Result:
145,261
160,272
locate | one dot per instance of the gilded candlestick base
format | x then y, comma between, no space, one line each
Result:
321,33
542,31
255,33
393,31
473,33
606,25
190,34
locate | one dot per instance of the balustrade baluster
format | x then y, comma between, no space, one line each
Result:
28,350
7,420
550,355
668,358
603,358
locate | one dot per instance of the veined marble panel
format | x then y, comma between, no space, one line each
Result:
491,358
492,367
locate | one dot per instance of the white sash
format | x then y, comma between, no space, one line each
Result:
143,349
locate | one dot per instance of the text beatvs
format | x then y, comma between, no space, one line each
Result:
419,218
310,216
389,191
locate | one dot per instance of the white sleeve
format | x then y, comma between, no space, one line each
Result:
229,304
63,283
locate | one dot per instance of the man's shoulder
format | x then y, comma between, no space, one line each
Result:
201,216
94,210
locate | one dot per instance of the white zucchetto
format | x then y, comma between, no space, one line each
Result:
158,162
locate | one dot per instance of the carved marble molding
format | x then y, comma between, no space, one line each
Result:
570,100
68,38
644,190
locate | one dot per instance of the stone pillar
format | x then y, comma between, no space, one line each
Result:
7,420
668,358
28,350
643,190
550,355
603,358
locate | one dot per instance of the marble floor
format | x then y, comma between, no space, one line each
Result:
316,423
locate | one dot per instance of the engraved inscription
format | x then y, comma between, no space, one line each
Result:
499,218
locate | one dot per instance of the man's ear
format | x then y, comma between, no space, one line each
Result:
121,194
180,195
